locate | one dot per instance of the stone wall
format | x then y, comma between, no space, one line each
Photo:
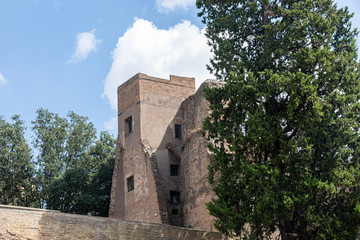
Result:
32,224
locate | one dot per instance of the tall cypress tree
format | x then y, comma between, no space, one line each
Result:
285,127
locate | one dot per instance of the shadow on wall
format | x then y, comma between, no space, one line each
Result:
186,190
28,223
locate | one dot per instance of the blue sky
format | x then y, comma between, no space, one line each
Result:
67,55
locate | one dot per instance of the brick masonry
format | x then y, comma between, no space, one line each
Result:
153,104
33,224
194,161
156,105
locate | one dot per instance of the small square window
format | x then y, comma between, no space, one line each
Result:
174,170
174,211
177,131
174,197
128,125
130,183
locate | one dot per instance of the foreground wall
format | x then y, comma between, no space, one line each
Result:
27,223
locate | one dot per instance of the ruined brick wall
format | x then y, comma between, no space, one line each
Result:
145,203
33,224
160,101
132,91
175,86
117,185
196,190
160,111
128,93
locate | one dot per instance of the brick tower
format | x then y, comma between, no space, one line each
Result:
146,181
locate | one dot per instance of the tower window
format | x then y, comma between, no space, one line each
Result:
174,170
177,131
129,125
130,183
175,197
174,211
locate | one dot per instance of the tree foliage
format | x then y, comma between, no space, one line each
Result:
50,140
102,155
75,168
80,137
285,127
86,189
69,192
17,183
72,168
62,144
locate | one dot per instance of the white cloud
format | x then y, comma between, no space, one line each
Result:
181,50
171,5
111,125
2,79
86,43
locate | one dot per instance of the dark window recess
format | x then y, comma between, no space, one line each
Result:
174,197
174,170
129,125
130,183
177,131
174,211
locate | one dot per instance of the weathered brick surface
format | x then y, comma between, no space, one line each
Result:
176,86
27,224
154,106
128,94
194,161
132,91
144,202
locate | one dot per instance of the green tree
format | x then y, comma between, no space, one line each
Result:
62,144
80,136
17,186
50,140
70,192
102,155
285,127
86,189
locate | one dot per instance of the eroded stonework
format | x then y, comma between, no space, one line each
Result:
160,173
